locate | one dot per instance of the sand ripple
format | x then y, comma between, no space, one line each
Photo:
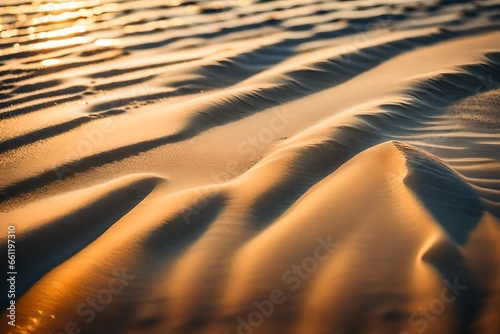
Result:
252,166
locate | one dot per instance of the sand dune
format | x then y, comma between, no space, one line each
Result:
251,166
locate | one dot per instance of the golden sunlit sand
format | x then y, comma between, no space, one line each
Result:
247,167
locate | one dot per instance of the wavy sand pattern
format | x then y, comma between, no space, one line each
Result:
251,166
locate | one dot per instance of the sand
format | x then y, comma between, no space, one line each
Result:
248,166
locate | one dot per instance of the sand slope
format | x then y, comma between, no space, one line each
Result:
252,166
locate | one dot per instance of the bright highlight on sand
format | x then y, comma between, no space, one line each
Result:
50,62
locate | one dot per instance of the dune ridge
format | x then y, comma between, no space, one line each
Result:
335,161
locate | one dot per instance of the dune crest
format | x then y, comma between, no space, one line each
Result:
229,167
